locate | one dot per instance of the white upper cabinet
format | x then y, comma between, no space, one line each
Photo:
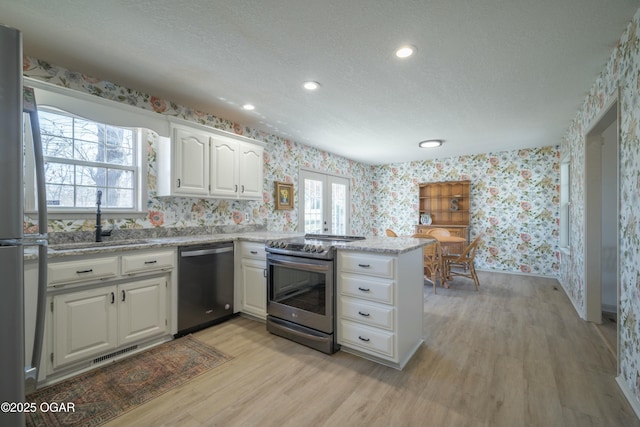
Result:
191,162
209,163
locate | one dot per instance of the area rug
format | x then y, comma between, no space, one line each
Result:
106,392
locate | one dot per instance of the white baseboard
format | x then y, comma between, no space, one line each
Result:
633,401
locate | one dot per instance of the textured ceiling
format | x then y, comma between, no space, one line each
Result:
489,75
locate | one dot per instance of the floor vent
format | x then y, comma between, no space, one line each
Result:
114,354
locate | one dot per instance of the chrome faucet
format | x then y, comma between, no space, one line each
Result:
99,232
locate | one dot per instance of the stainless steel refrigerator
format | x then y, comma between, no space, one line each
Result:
17,107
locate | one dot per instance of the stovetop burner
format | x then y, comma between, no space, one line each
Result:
311,245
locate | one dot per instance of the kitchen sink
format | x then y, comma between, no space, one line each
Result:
91,245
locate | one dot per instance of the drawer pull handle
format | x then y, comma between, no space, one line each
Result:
123,295
254,252
364,289
113,297
363,339
364,265
151,262
84,271
364,314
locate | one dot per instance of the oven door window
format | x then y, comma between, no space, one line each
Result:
302,289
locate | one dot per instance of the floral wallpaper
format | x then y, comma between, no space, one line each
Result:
621,73
514,201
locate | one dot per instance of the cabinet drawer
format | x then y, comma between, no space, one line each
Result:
161,260
253,250
82,270
367,288
375,265
364,338
379,316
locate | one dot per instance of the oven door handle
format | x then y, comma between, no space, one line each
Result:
298,264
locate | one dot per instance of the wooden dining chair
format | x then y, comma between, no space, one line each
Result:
391,233
432,262
463,263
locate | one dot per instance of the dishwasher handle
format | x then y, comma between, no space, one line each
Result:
211,251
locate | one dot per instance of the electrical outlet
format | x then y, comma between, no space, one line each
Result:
170,216
194,217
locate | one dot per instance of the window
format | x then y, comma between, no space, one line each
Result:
83,156
325,202
565,204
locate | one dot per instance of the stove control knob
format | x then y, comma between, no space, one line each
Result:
306,248
319,249
270,244
283,244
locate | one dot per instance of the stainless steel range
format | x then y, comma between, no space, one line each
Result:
301,282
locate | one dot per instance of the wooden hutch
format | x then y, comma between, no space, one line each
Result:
449,204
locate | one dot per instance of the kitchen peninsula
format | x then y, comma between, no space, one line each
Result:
380,298
379,291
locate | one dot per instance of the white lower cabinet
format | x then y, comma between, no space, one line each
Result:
252,279
85,324
379,305
92,322
254,288
142,310
101,306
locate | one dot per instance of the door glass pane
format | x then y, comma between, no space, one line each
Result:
338,209
312,206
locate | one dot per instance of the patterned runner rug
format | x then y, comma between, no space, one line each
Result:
106,392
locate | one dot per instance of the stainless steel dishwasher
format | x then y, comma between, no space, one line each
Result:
205,285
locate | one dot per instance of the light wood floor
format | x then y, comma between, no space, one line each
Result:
513,354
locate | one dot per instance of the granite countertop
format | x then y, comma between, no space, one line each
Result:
383,244
111,246
386,245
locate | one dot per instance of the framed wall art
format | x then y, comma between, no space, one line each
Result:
284,196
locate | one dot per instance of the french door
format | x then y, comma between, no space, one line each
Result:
325,203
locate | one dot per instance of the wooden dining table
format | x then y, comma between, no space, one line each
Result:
445,241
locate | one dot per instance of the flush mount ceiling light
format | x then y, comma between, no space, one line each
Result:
430,143
406,51
311,85
249,107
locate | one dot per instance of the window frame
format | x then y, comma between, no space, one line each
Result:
139,170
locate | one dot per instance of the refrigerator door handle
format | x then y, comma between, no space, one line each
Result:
31,372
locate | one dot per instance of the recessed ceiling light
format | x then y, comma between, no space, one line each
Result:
430,143
406,51
311,85
249,107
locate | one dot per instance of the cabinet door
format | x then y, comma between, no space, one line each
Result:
251,170
84,324
142,309
191,162
254,287
224,168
